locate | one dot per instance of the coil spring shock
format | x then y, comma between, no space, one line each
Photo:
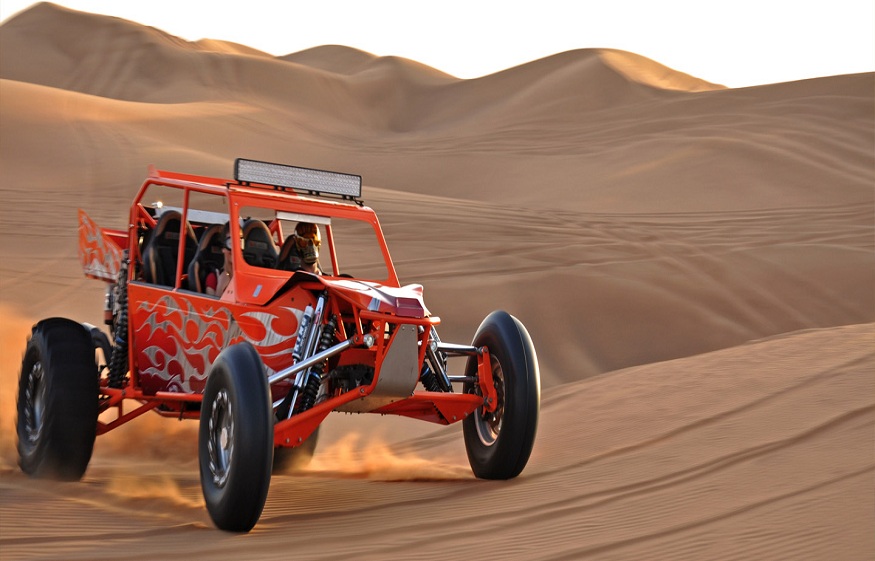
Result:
429,379
433,375
118,364
314,378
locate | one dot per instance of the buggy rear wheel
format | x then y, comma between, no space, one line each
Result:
235,439
500,442
57,401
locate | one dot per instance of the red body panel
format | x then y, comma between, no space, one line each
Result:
176,336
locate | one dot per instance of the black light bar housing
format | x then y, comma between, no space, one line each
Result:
305,180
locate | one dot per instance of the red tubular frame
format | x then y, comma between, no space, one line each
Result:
437,407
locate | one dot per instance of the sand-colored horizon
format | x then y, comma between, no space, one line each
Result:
695,264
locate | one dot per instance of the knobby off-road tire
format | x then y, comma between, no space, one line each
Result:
294,459
235,439
499,443
57,401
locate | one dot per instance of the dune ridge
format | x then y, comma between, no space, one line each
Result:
694,263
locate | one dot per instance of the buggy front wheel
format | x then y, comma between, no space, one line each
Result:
235,439
500,442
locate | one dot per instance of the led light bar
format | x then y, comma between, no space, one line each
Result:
304,179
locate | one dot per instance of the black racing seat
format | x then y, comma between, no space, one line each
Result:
207,258
259,249
161,251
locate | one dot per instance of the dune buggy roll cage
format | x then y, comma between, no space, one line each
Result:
302,190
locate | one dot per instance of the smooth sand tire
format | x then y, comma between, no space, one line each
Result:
499,443
294,459
57,401
235,439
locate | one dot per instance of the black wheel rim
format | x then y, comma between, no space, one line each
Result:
488,423
221,438
35,404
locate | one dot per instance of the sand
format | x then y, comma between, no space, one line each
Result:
695,264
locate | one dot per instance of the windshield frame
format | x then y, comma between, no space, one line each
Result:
321,211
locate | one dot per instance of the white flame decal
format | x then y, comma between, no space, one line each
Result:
187,341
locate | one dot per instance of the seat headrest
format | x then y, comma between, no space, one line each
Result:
161,251
211,240
259,249
207,258
167,229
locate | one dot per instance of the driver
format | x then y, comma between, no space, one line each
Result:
301,249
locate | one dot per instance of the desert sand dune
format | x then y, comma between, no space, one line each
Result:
696,266
762,450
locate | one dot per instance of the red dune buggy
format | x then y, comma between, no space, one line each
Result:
304,325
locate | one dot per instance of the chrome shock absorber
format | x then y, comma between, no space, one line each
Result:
434,368
313,337
314,376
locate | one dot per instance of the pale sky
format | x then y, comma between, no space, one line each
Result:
732,42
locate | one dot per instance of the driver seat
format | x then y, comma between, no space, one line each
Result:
259,249
160,253
208,258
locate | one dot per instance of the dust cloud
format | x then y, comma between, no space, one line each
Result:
372,458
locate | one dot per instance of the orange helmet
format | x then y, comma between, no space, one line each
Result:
308,230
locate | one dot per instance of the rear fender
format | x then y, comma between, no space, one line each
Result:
100,250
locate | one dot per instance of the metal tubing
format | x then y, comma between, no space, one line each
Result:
453,349
462,379
313,360
439,368
315,331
